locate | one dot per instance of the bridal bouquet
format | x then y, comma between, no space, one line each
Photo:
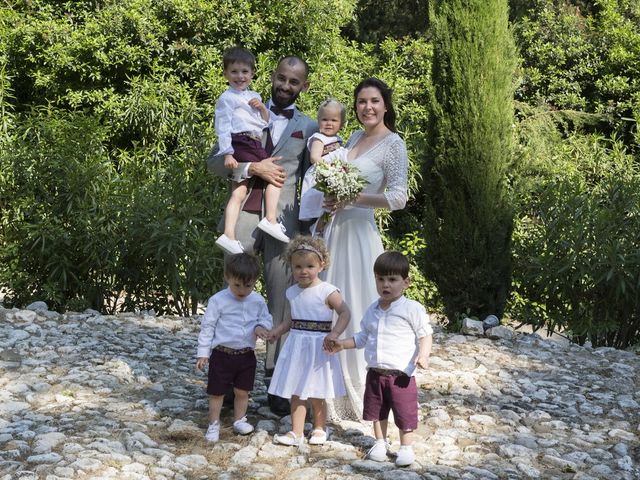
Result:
340,179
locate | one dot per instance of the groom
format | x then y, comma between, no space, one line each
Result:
286,143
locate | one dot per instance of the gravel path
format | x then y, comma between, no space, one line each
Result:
85,396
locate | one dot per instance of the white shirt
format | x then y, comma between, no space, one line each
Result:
231,322
390,338
278,123
235,115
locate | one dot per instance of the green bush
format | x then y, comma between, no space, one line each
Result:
576,248
56,178
582,56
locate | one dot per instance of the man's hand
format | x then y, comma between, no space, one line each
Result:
201,362
269,171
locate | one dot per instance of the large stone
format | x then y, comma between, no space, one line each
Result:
44,458
11,407
192,461
48,441
472,327
500,332
309,473
245,456
21,316
180,428
36,306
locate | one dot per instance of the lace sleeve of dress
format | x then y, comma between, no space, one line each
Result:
396,170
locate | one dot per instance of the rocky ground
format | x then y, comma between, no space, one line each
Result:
85,396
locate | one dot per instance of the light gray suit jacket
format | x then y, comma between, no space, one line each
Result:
292,147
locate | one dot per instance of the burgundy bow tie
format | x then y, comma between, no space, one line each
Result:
285,112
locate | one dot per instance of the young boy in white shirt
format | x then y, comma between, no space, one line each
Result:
240,119
234,317
396,337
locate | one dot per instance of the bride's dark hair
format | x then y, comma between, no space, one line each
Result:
386,92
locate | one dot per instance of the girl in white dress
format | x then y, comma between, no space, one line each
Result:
304,369
353,238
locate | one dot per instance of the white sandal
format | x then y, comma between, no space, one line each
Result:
318,437
289,438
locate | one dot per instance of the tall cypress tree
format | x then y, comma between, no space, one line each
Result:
468,217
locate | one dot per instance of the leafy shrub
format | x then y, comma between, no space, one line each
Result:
56,178
582,56
576,249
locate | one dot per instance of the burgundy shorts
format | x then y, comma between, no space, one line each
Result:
226,371
397,393
247,149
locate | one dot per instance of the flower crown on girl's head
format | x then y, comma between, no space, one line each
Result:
305,243
306,246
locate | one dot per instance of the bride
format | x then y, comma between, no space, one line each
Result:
353,238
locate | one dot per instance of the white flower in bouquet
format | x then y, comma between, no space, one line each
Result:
339,179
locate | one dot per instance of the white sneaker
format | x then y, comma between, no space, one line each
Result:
378,453
405,456
213,432
276,230
232,247
318,437
289,438
242,426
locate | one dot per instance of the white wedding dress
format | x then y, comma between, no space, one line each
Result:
354,244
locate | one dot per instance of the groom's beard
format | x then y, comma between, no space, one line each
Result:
283,99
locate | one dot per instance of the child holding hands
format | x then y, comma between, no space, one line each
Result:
396,337
240,119
232,320
305,370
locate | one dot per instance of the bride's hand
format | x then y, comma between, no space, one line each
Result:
332,204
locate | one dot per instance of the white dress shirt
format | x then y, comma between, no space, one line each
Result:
231,322
390,338
235,115
278,123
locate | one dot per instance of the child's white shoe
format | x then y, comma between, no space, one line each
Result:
242,426
289,438
378,453
276,230
405,456
232,247
318,437
213,432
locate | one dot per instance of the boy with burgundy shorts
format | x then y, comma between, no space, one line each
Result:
232,320
396,337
